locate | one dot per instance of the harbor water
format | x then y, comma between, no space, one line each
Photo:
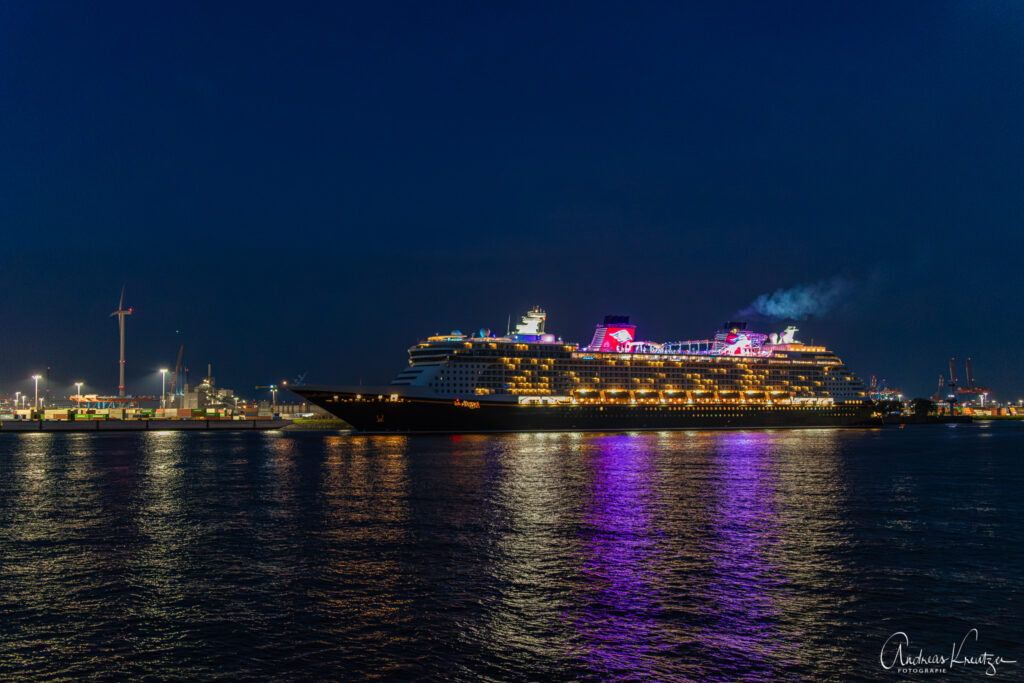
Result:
702,555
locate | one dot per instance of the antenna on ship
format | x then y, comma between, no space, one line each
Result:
121,313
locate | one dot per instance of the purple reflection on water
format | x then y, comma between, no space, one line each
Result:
617,621
701,587
743,530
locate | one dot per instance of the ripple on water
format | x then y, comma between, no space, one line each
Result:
688,555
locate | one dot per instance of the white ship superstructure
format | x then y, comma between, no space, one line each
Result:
736,366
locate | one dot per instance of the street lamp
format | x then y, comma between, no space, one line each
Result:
163,388
37,378
16,395
79,385
273,392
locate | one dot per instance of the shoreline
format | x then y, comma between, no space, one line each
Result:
89,426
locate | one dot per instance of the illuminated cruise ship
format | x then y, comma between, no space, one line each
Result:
530,380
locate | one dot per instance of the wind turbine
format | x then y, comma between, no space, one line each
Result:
121,313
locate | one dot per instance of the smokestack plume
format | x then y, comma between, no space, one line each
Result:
798,303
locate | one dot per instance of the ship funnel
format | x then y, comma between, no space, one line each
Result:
616,331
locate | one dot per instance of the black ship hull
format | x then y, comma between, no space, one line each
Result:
392,413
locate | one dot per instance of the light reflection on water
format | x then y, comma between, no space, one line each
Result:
742,514
625,563
693,555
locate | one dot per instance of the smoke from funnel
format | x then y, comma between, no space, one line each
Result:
800,302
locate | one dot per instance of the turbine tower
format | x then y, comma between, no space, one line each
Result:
121,313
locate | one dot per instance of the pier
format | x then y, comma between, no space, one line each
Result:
137,425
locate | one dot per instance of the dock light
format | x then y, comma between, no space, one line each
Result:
37,378
163,388
79,386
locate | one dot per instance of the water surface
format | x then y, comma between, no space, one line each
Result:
739,555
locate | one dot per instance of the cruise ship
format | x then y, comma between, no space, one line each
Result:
531,380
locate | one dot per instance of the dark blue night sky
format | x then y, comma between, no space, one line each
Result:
309,188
